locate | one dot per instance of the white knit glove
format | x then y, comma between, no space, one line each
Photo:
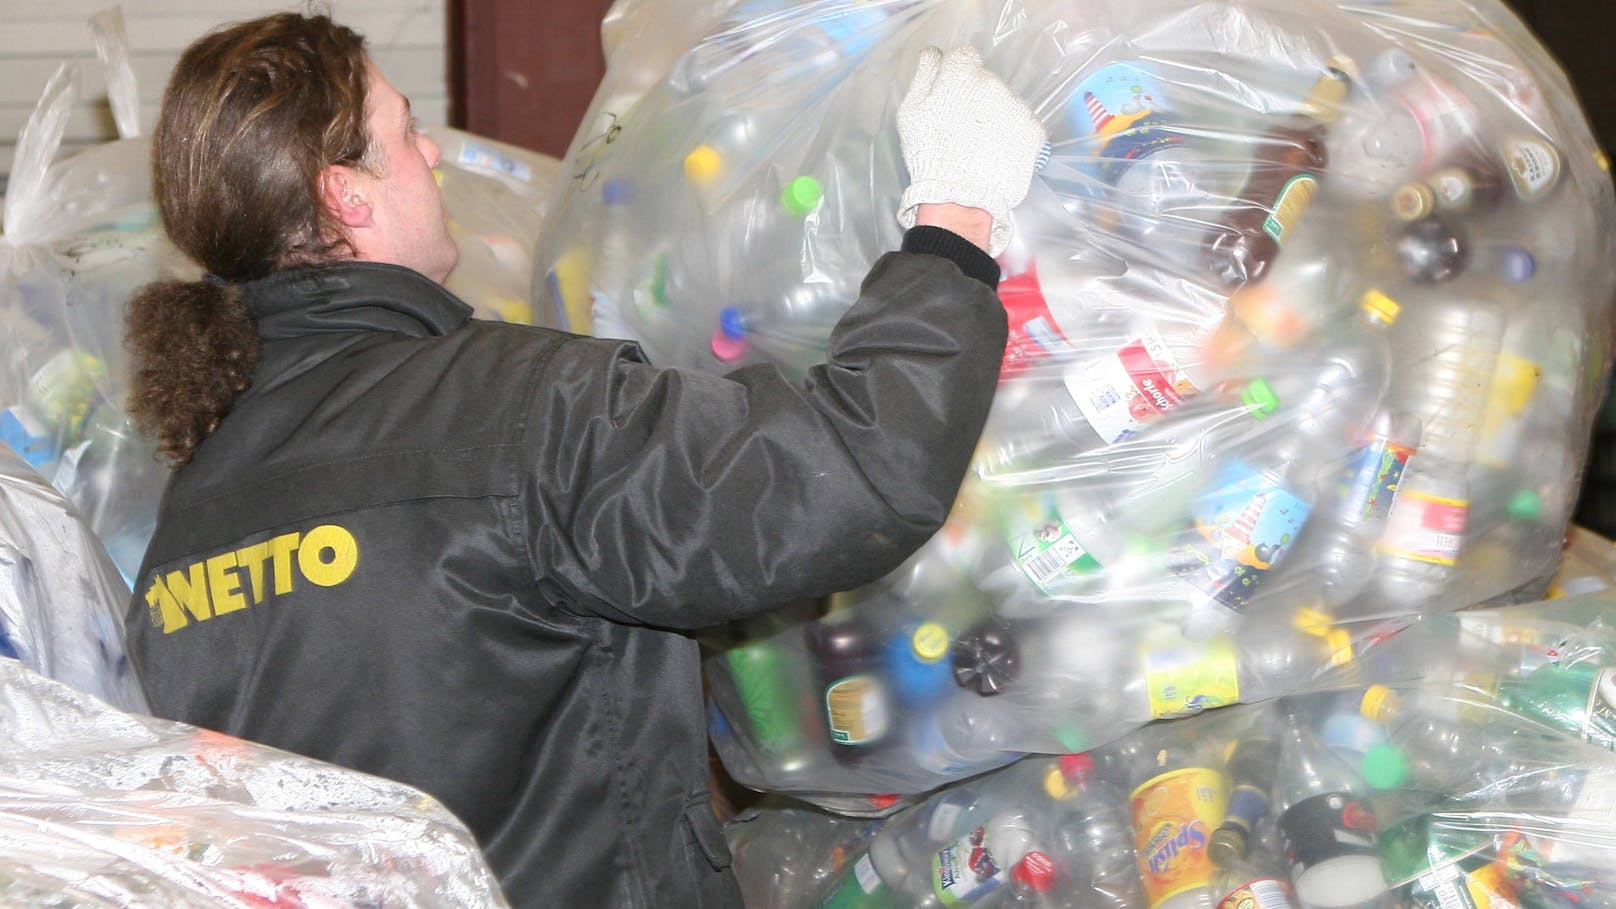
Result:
967,139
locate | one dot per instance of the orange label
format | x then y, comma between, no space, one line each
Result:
1174,815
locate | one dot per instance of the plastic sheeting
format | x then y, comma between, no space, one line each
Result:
100,808
1309,315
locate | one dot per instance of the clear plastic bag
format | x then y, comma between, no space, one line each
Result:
1309,318
1463,763
109,809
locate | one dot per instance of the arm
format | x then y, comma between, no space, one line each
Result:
974,224
683,499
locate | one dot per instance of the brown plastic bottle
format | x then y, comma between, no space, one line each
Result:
1289,163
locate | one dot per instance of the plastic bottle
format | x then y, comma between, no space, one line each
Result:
855,696
767,681
1432,864
1177,802
1446,354
963,734
1286,172
1425,751
1092,836
1250,769
1576,697
1241,884
757,41
1325,821
1186,675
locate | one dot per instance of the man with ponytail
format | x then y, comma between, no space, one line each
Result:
469,555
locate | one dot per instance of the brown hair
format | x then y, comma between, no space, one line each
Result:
253,113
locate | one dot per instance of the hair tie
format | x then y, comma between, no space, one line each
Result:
214,279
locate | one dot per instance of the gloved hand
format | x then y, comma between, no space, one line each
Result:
967,139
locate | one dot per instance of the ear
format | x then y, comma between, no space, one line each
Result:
342,192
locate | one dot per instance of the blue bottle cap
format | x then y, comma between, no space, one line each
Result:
732,322
615,192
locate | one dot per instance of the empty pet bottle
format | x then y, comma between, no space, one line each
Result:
1576,697
1250,769
853,692
1288,166
1434,864
1325,821
1178,800
1241,883
1446,358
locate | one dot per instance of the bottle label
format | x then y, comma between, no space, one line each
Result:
764,688
1471,882
862,889
1427,528
965,870
1534,168
1327,828
1247,522
1050,555
1294,198
1034,333
1174,815
856,709
1262,893
1186,680
1379,469
1121,393
1600,725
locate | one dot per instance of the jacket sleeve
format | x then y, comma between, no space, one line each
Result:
683,499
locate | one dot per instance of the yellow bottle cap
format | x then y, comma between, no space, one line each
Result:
930,642
1380,306
1378,703
703,164
1340,644
1312,621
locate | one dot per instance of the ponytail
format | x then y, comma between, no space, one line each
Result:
193,347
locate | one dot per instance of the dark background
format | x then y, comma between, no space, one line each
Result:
524,71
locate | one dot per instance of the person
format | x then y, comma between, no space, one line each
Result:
469,556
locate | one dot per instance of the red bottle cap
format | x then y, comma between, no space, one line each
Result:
1035,871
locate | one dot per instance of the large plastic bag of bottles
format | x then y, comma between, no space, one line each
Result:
100,808
62,601
80,234
1464,764
1309,316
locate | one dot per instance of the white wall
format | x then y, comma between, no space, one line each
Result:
406,37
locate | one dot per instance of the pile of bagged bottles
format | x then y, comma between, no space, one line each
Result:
81,234
1465,764
1309,317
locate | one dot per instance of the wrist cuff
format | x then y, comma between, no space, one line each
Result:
938,241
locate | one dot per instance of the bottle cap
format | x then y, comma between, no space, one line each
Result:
1525,506
1311,621
1413,201
801,195
1229,845
1339,643
703,164
1259,398
1516,264
615,192
1378,703
1379,306
883,802
1385,766
1514,382
986,659
930,642
1035,871
1067,775
1352,732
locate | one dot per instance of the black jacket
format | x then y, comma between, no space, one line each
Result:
464,554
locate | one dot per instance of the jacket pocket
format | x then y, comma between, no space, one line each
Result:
703,830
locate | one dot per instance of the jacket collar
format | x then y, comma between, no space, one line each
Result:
352,296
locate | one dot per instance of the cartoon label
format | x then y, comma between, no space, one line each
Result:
1380,466
1246,523
1427,528
1122,392
1174,815
1186,680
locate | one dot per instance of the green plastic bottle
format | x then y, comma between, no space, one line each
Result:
1579,698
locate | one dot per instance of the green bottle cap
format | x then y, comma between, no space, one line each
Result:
1259,398
1525,505
801,195
1385,767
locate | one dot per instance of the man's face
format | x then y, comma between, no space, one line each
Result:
410,225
